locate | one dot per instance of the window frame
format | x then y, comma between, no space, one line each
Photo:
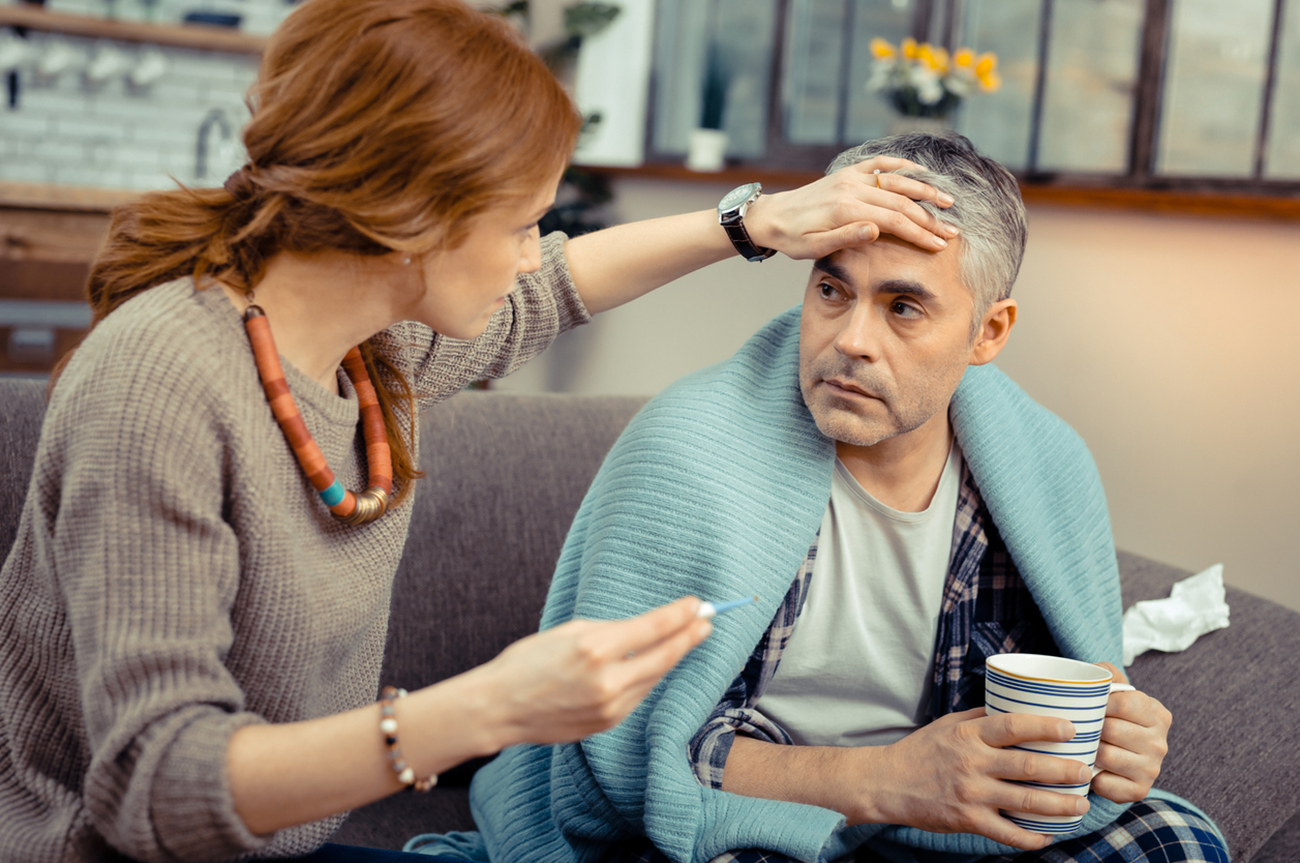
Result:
934,21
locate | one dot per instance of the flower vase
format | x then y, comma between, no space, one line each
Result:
906,123
706,150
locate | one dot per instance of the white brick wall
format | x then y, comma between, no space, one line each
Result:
259,16
68,131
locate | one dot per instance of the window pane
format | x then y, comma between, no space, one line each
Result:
813,65
998,123
679,72
870,116
1092,68
1283,158
1214,85
745,31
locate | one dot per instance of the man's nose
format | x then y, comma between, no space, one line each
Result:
860,336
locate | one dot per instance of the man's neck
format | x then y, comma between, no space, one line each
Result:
902,472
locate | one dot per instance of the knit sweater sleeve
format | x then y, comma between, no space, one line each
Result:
132,494
543,305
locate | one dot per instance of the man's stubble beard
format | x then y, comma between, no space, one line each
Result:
844,425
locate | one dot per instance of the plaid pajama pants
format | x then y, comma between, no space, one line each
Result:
1149,832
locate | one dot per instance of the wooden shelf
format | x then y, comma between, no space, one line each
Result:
1167,201
1170,202
38,196
48,196
196,36
772,180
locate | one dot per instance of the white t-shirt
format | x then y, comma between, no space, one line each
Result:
858,668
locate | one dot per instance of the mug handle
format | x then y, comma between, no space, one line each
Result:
1115,686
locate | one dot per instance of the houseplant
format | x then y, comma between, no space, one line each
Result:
707,144
925,83
582,194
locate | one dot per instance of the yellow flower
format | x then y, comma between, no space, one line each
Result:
941,58
987,63
929,55
882,50
964,58
909,48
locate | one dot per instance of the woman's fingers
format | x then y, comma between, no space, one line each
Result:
661,638
912,189
882,164
642,672
880,172
637,634
850,207
887,203
650,664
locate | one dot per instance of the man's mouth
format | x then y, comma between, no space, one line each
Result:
849,386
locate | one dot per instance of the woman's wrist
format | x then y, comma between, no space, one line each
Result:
456,719
760,223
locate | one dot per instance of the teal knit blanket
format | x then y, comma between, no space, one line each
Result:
717,488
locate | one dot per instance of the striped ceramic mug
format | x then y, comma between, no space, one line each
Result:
1052,686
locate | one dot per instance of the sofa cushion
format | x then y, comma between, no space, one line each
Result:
1234,748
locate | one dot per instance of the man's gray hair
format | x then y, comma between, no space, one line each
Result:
988,210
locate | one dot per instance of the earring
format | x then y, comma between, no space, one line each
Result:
406,262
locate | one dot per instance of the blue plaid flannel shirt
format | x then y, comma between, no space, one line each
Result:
987,609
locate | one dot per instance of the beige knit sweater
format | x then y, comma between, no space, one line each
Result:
175,577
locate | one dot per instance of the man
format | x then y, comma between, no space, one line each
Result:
930,515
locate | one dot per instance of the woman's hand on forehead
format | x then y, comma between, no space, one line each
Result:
850,207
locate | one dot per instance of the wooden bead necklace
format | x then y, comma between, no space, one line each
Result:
348,507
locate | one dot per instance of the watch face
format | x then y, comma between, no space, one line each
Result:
737,196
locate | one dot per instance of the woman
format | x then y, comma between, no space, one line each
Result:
195,609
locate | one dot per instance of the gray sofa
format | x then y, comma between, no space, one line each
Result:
505,473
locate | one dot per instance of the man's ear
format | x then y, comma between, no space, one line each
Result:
998,321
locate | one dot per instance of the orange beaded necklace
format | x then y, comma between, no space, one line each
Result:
348,507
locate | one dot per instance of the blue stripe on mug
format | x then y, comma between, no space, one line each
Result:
1046,688
1046,826
1030,681
988,694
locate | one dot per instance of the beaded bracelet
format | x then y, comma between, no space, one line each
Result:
388,727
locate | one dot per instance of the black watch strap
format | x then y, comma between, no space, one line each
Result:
731,216
748,249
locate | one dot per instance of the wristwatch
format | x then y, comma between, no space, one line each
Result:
731,215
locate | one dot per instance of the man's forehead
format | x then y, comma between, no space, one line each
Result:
888,262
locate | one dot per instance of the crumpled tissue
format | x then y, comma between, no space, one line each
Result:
1195,606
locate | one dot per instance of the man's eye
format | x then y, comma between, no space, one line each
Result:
904,310
828,292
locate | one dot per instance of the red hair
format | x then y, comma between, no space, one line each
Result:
377,126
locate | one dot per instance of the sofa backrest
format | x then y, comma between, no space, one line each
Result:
505,474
